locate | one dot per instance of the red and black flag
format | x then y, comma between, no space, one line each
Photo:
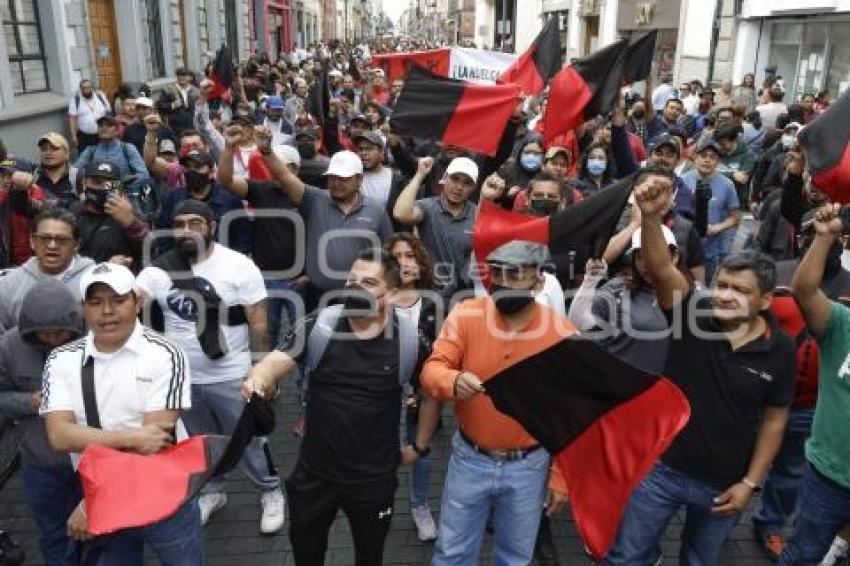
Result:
398,65
604,422
826,142
222,73
639,56
455,112
125,490
540,62
581,230
585,89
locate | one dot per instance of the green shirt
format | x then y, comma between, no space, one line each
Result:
828,449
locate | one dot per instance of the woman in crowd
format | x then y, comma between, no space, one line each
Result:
413,301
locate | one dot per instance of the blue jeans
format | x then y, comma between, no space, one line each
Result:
824,509
420,475
712,265
651,507
52,494
782,487
282,310
216,408
176,541
475,484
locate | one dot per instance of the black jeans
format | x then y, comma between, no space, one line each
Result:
85,140
313,505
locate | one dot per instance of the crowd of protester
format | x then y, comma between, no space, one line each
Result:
172,205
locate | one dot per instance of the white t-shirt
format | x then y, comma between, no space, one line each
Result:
376,186
88,111
149,373
237,281
551,295
770,112
410,313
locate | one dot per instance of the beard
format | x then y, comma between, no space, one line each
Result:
188,247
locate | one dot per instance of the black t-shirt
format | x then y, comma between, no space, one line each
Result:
353,408
728,391
102,237
274,237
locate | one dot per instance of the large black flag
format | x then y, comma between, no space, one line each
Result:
639,55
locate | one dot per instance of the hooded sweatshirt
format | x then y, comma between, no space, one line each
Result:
15,283
47,305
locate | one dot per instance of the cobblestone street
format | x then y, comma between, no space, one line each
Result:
233,533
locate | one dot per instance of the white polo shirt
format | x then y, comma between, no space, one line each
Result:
147,374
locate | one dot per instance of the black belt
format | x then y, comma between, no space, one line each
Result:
499,455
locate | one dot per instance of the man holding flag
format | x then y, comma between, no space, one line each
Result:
735,366
495,462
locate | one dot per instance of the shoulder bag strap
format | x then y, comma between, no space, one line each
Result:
89,398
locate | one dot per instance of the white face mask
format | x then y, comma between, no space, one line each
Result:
788,140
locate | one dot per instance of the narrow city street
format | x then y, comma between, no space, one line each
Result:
233,539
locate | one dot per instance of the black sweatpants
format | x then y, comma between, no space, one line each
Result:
313,505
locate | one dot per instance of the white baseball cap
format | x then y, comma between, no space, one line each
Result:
117,277
144,101
668,237
287,154
345,164
463,165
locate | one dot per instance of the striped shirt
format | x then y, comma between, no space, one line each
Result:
147,374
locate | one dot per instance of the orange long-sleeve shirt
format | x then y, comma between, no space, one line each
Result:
475,339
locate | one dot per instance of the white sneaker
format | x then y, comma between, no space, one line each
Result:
274,512
425,527
837,551
210,503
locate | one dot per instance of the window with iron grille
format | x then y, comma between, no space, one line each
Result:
22,31
154,24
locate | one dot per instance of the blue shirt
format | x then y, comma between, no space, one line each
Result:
125,156
724,201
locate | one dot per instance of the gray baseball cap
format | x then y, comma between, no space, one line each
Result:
519,252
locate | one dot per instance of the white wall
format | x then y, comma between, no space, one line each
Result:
529,22
694,42
484,21
765,8
608,23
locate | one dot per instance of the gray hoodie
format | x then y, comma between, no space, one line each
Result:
48,305
15,283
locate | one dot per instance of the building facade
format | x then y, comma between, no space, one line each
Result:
48,46
808,41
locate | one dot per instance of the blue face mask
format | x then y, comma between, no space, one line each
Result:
531,161
596,167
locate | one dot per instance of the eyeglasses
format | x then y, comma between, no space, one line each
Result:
193,224
46,239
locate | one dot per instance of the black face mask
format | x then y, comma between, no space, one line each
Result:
196,181
357,301
638,114
542,207
510,301
97,199
307,150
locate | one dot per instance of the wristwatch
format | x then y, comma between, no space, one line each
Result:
422,452
751,484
